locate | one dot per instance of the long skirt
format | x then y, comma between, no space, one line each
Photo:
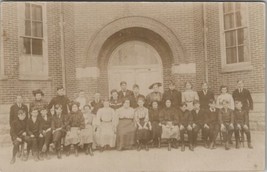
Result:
86,135
156,130
170,131
125,133
105,134
73,137
143,135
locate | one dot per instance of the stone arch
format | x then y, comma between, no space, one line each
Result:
177,50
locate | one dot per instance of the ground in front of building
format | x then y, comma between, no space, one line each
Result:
153,160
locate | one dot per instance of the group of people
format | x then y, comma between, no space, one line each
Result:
129,119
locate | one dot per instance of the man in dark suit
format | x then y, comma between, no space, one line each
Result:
173,95
16,107
124,92
243,95
205,95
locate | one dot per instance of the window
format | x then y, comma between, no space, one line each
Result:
235,37
33,57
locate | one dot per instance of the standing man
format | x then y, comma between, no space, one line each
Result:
173,95
60,99
124,92
155,95
97,103
205,95
38,102
243,95
15,108
135,96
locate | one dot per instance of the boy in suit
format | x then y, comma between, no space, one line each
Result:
16,107
185,118
35,138
45,132
211,126
226,120
241,124
58,129
18,133
204,96
198,115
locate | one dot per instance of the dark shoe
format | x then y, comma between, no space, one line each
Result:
139,147
41,156
250,146
206,145
191,147
227,146
169,146
183,148
68,153
147,148
76,152
86,151
13,160
212,145
91,152
237,145
59,154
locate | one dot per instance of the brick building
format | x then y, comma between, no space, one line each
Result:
92,46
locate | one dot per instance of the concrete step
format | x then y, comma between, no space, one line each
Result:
258,97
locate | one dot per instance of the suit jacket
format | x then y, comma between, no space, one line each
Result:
128,94
14,112
62,100
205,98
45,124
58,122
212,117
33,127
173,95
17,128
244,97
185,117
198,118
241,117
226,117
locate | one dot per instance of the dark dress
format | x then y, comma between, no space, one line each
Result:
154,119
62,100
169,120
39,104
14,112
115,104
173,95
96,106
205,98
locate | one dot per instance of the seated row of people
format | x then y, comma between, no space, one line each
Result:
125,127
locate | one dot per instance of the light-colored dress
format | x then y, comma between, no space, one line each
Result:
106,127
126,128
189,96
87,134
228,97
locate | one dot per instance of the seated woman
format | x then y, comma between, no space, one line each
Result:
126,127
154,119
142,123
106,127
169,121
75,123
88,131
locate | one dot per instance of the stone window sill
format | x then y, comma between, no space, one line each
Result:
236,67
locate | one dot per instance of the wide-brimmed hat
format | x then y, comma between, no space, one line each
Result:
38,91
156,83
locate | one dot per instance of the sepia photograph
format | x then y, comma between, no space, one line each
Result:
132,86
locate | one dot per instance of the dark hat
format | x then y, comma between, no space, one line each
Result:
123,82
113,90
38,91
156,83
60,87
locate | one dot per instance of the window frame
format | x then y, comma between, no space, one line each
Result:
239,66
32,75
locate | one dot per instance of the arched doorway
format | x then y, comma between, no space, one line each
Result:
135,62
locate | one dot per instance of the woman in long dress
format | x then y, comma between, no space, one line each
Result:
106,127
75,123
169,120
189,96
126,127
154,119
88,132
143,124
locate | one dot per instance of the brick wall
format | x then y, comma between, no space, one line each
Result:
254,79
12,85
